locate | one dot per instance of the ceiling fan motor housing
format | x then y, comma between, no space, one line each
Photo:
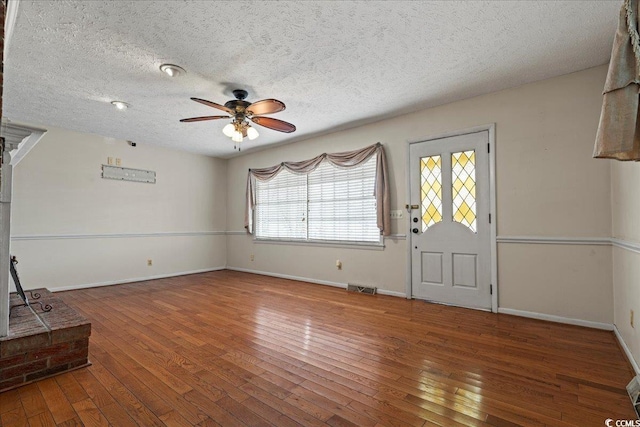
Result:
240,94
237,105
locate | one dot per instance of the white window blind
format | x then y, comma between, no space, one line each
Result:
329,204
281,207
342,204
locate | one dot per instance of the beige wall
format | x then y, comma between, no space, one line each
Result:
547,185
59,193
625,185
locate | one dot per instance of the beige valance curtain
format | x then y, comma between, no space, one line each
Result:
343,160
618,134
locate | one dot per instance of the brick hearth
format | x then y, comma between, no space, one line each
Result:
43,345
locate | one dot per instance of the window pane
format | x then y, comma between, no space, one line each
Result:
342,204
281,207
463,176
431,190
330,204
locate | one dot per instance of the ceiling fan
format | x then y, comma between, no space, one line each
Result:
241,111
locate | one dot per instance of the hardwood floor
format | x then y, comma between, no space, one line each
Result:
234,349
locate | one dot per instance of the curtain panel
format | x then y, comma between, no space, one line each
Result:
618,134
344,160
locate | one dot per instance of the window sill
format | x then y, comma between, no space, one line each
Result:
326,244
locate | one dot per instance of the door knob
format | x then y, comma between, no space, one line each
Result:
415,230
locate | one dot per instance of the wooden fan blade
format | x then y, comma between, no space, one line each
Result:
203,118
265,106
274,124
214,105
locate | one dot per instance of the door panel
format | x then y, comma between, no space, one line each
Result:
450,239
432,267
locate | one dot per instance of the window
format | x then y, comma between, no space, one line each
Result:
281,207
431,190
463,188
329,204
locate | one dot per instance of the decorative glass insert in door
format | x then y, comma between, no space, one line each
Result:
463,178
431,193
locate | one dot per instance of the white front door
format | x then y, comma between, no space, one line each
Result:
450,223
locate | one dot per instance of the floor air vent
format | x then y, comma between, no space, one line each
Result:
634,393
361,289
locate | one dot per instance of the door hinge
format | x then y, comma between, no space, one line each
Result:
488,147
489,218
490,289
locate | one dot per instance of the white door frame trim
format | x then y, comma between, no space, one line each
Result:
491,128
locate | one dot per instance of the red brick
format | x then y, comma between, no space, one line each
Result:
25,368
71,334
12,361
10,383
13,346
71,356
48,351
80,344
43,345
46,372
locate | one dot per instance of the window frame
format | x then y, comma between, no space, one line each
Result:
375,245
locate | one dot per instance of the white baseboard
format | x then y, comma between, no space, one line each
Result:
287,276
309,280
626,350
137,279
558,319
391,293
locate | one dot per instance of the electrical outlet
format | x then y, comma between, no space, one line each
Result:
396,214
251,257
149,262
118,162
110,161
339,264
631,319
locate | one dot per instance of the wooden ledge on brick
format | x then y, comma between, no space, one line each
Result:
42,344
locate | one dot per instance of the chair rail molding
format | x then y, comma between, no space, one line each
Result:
563,240
555,240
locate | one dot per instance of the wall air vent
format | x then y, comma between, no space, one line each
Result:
361,289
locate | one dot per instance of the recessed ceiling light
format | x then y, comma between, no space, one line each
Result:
120,105
172,70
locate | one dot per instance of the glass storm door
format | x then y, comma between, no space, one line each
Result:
450,231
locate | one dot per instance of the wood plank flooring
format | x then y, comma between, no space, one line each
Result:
235,349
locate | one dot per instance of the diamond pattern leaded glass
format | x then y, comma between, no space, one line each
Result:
431,193
463,176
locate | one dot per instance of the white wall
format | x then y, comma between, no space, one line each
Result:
547,186
625,184
116,225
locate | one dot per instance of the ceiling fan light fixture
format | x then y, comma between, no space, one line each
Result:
120,105
241,112
229,130
172,70
252,133
237,137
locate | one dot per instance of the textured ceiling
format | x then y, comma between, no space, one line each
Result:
334,64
